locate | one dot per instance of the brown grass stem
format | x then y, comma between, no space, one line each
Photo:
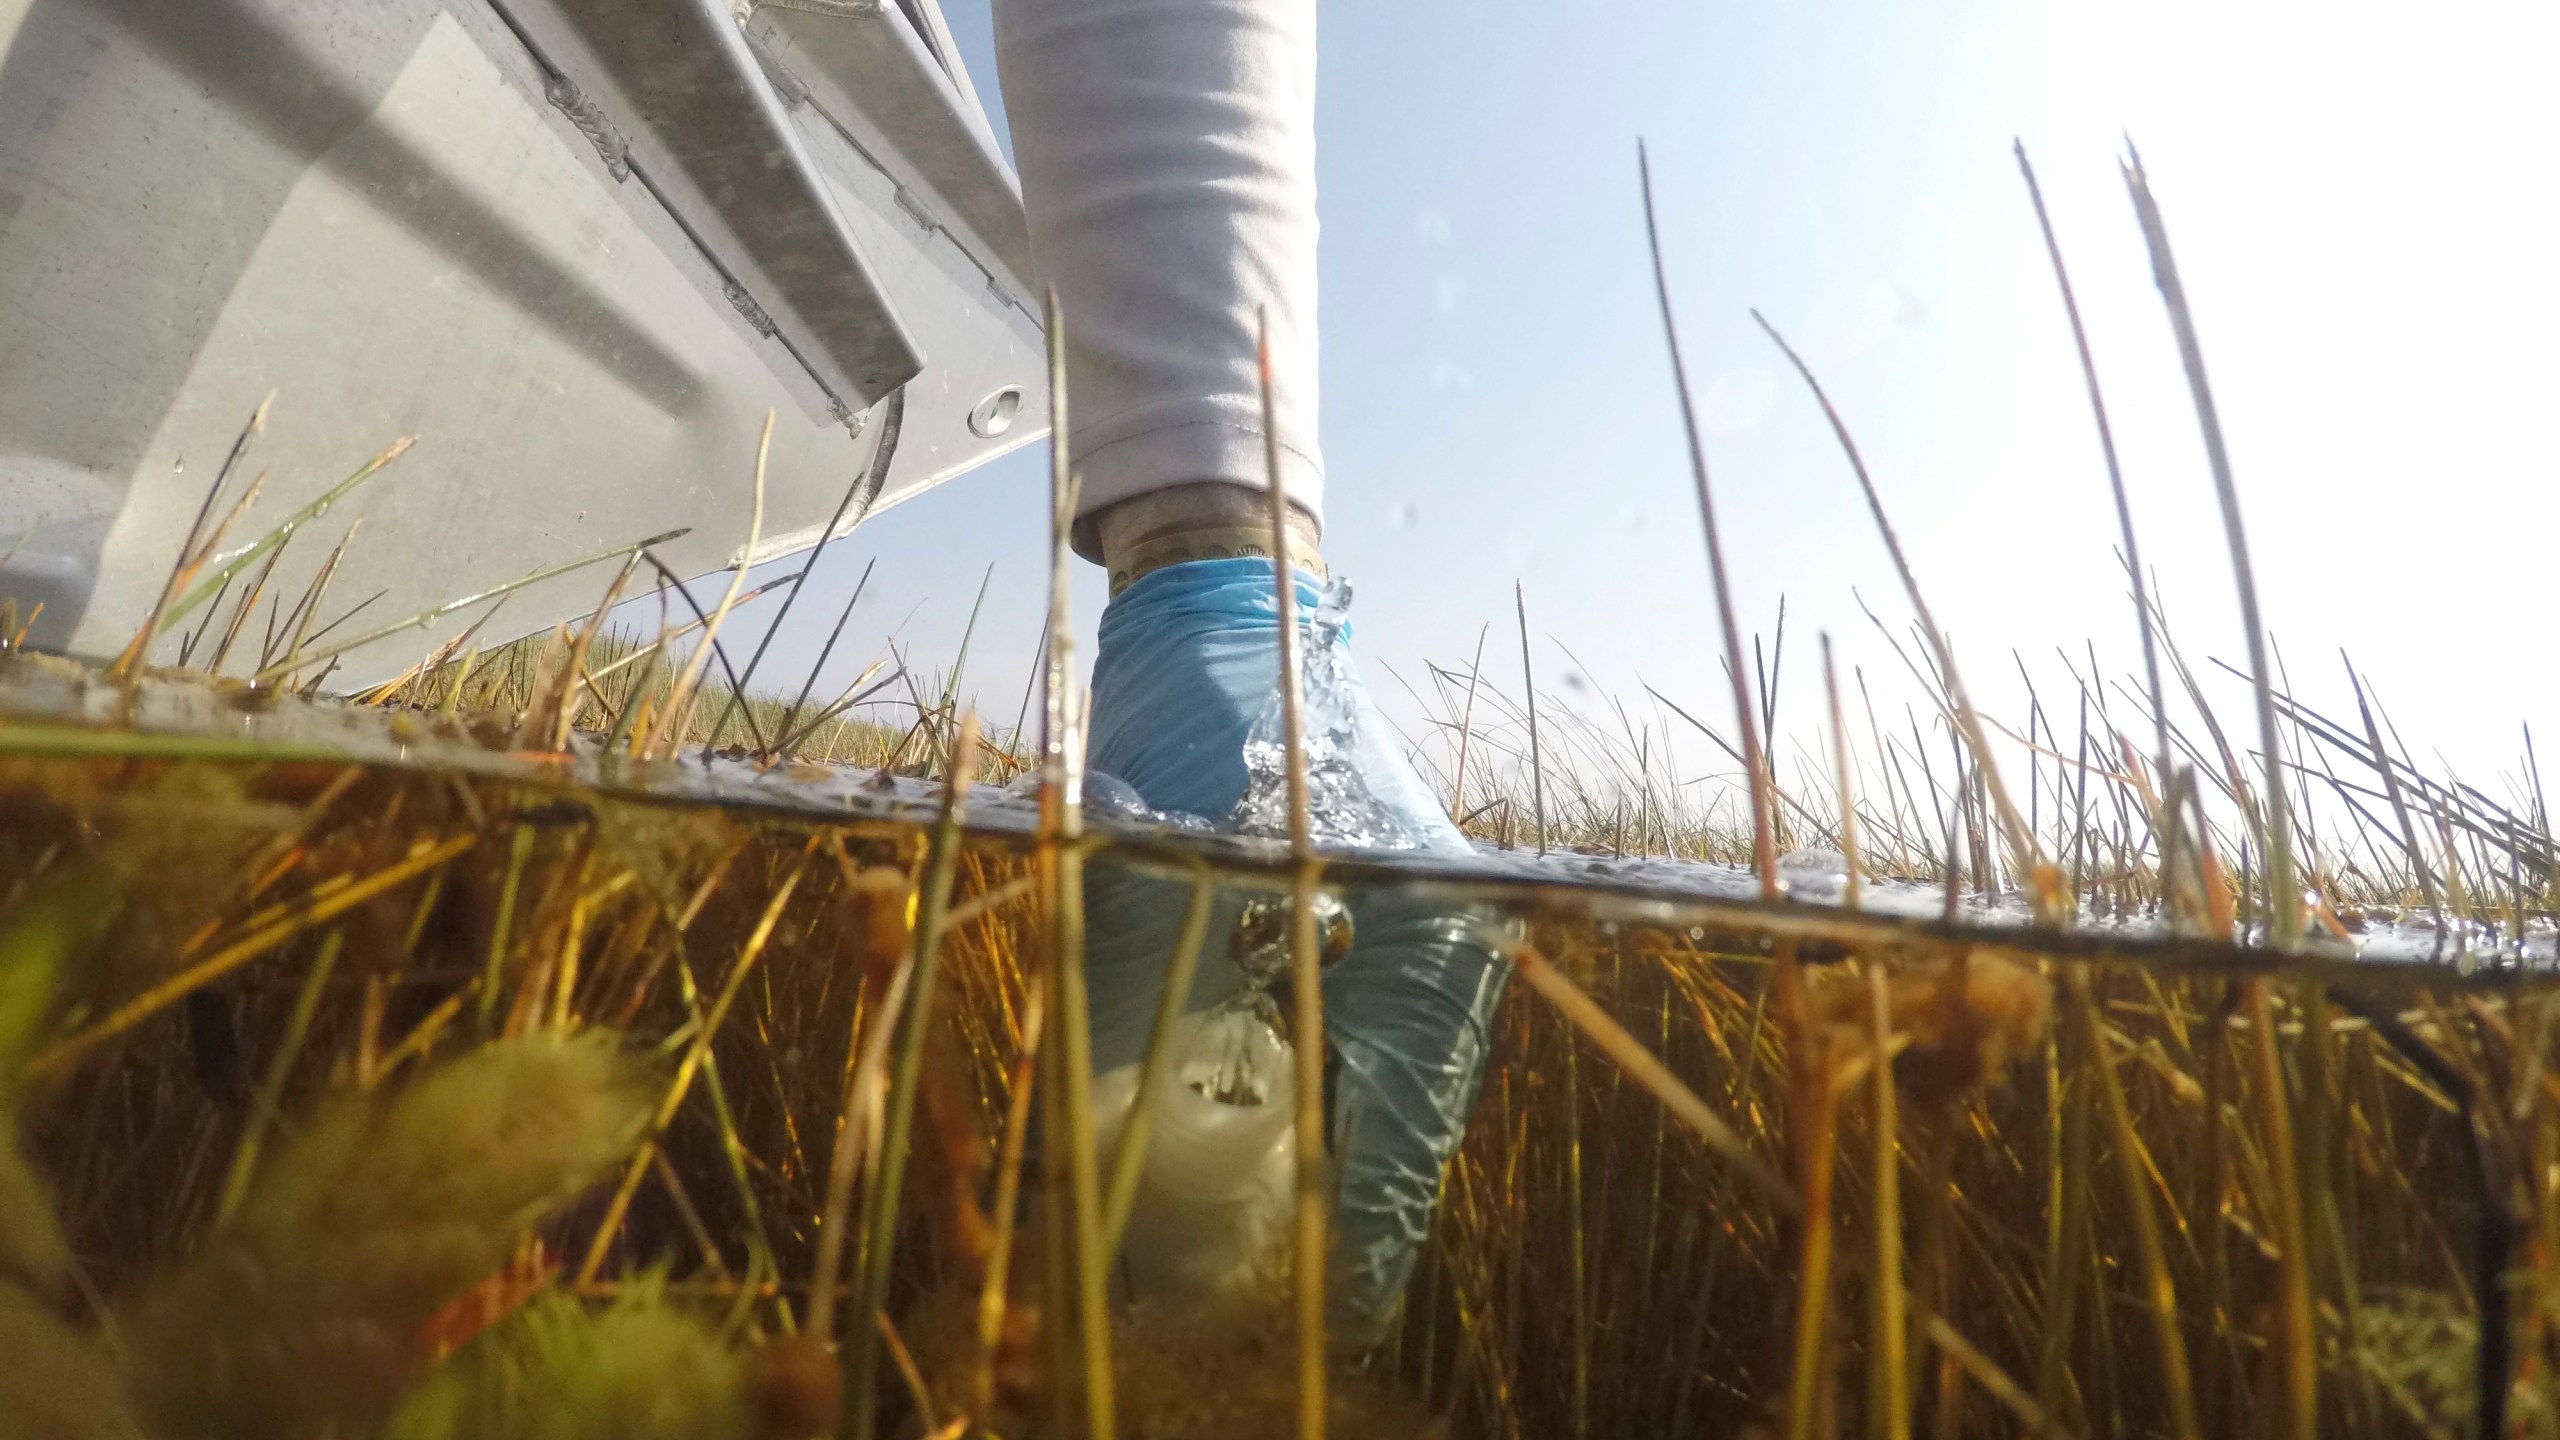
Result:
809,681
263,1108
2285,917
1062,871
1764,848
564,701
880,1228
326,902
1813,1127
1845,780
2115,485
696,1055
1466,727
1578,1273
2159,1293
1307,1232
1129,1163
1630,1055
864,489
191,555
431,615
1995,1382
2391,790
680,695
1932,1267
994,1292
1777,793
855,1151
2024,853
241,611
312,599
204,553
642,654
1888,1361
861,690
2297,1352
668,580
918,1393
1529,689
211,585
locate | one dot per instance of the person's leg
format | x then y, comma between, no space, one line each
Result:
1186,674
1167,156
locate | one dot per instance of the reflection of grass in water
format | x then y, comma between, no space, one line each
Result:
315,1058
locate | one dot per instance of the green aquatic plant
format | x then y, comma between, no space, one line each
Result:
560,1369
307,1308
59,1383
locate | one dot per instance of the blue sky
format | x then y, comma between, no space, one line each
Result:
2364,203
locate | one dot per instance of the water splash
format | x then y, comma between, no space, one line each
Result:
1813,873
1343,751
239,724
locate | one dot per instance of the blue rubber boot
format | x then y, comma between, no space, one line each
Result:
1185,711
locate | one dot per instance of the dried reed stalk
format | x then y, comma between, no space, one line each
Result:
1076,1195
880,1220
1307,1251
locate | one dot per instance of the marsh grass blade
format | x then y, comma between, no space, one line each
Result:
2285,921
1466,729
190,557
1078,1267
1764,851
211,585
809,681
1128,1165
1529,690
680,695
861,1355
1844,778
857,501
433,614
1307,1253
2134,573
1630,1055
2024,852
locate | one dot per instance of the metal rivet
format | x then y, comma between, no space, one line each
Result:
994,415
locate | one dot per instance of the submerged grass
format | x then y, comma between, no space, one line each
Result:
422,1101
1669,1233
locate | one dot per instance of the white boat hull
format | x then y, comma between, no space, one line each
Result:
383,212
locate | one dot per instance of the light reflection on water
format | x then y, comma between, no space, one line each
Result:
33,689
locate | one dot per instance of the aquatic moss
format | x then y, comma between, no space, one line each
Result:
57,1383
307,1306
636,1369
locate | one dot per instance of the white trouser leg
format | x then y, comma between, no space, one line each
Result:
1167,151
